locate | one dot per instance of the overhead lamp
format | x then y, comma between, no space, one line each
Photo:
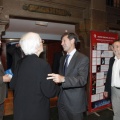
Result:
41,23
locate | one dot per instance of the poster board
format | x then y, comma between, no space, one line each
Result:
100,54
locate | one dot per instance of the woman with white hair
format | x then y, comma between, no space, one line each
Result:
31,88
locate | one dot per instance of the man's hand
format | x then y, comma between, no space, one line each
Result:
6,78
105,94
56,78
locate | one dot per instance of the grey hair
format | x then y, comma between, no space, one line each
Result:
29,43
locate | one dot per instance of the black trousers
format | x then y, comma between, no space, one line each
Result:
1,111
67,115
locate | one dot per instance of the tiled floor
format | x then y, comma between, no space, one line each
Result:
104,115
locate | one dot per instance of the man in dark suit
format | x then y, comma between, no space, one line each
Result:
3,88
72,100
112,85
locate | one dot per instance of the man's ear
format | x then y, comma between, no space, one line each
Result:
37,48
73,41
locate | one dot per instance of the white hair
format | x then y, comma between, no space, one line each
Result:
30,42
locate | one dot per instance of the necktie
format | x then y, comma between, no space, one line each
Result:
66,63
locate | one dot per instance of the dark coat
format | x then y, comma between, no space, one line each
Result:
109,76
32,89
73,94
3,86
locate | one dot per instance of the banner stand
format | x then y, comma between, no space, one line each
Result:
100,54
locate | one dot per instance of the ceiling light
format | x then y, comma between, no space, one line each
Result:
41,23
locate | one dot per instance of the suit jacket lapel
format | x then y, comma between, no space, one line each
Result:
62,65
112,61
1,68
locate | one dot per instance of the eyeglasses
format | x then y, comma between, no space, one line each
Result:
42,41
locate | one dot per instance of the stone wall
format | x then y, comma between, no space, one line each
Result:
85,14
77,12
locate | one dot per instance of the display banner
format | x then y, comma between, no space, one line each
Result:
100,54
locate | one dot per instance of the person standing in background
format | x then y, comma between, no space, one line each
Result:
3,88
112,85
72,78
31,88
16,53
56,61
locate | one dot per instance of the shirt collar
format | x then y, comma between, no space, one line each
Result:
116,58
72,52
